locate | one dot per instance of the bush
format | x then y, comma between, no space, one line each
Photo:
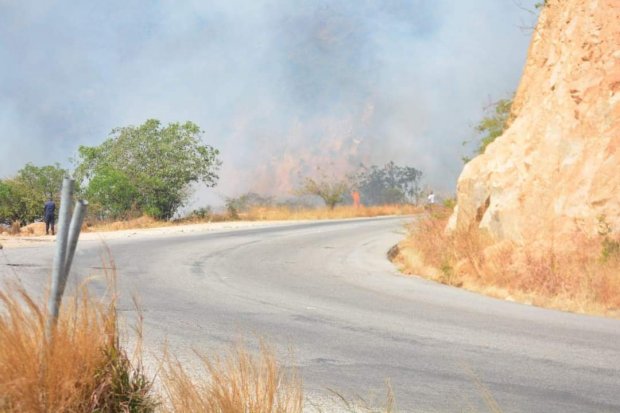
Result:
610,248
201,213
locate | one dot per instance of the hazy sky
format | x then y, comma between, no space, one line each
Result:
278,86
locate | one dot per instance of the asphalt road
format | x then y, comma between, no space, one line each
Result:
326,291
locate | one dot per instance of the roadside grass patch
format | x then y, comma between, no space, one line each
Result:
83,369
259,213
583,276
237,382
338,212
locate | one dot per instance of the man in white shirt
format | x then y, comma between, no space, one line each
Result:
431,198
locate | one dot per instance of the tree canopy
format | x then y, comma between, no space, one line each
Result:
22,197
146,169
491,126
389,184
331,191
494,124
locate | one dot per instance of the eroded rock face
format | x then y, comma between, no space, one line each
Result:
556,169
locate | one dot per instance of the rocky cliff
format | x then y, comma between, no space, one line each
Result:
556,169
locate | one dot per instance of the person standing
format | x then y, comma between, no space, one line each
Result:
431,198
48,215
430,201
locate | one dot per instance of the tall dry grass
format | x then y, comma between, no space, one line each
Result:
239,382
276,213
133,223
583,276
82,368
263,213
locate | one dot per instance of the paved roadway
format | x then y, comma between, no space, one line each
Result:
326,290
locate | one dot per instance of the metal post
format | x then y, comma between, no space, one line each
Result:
64,215
74,234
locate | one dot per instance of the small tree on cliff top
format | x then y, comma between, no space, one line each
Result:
492,125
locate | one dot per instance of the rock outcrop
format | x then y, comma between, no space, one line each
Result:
556,170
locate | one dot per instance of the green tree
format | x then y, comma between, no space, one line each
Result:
12,205
111,193
331,192
155,164
45,181
22,197
389,184
494,124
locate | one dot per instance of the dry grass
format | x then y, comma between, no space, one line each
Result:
15,228
239,382
82,369
582,278
135,223
360,405
339,212
267,213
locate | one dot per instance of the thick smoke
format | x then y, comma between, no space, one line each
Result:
280,87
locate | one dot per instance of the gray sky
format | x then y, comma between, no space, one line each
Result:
278,86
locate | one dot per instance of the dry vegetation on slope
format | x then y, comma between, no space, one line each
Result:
584,279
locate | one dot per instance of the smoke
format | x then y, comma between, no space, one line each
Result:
280,87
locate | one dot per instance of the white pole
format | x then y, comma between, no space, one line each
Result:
64,215
74,234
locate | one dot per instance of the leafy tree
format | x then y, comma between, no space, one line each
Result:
331,192
45,181
111,193
153,164
12,205
390,184
492,125
22,197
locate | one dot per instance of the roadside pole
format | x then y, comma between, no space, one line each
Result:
66,243
74,234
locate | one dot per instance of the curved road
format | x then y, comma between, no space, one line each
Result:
326,290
